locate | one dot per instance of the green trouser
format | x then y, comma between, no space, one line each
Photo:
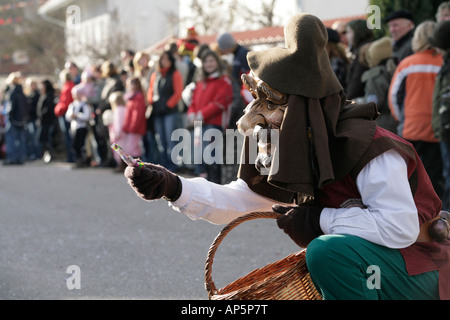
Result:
347,267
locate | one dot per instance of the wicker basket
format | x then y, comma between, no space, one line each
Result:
285,279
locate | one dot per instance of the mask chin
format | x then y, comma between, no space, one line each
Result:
263,161
264,157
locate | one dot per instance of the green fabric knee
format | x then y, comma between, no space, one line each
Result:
351,268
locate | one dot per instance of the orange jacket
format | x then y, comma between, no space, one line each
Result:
411,95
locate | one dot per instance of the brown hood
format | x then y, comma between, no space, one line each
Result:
320,141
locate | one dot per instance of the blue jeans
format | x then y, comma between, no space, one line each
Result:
65,129
164,126
16,143
151,152
33,145
445,153
213,170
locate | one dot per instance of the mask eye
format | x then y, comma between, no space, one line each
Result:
271,106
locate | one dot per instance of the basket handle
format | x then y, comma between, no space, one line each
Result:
209,283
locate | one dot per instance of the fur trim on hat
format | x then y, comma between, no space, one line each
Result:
378,51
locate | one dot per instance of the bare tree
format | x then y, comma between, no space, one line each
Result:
230,15
41,42
257,16
108,48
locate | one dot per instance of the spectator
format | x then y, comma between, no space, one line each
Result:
134,123
357,35
78,115
411,97
340,28
65,99
443,12
441,105
401,28
226,44
47,118
336,53
32,94
377,80
185,67
73,71
211,100
187,45
112,83
142,69
115,126
164,93
98,83
126,58
17,112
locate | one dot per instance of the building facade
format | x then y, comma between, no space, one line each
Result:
99,29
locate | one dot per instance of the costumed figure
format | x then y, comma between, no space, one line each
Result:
352,193
187,45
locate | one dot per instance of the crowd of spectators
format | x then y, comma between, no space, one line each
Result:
140,101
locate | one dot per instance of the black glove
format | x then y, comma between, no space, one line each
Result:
300,223
154,182
440,229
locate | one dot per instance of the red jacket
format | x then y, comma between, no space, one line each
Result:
65,99
135,121
212,97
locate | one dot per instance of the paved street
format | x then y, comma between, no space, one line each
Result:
53,217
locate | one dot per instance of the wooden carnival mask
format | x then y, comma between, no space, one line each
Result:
266,111
263,114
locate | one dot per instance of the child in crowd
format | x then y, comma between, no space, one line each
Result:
134,123
78,115
116,133
210,104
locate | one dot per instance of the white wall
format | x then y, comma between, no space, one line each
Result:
147,21
330,9
144,22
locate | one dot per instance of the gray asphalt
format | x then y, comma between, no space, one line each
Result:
53,216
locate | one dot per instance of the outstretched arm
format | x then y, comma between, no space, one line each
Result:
219,204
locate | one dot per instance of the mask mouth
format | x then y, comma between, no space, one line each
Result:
259,132
264,157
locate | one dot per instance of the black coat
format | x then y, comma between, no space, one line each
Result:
18,114
46,109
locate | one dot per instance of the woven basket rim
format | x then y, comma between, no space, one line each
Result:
286,278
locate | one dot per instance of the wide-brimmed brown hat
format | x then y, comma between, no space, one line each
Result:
302,67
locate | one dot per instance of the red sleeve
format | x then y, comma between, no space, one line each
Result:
177,89
65,99
134,121
150,88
